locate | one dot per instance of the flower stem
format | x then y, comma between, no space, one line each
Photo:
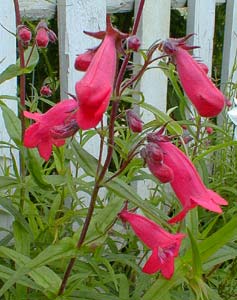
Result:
22,102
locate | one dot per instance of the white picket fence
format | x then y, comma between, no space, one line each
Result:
74,16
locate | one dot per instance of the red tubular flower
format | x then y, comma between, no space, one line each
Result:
134,121
205,96
187,183
44,133
164,245
94,90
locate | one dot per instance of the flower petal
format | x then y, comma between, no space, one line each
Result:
153,263
32,136
45,149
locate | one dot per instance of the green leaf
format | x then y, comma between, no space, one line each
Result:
172,126
127,192
213,149
161,287
104,218
87,161
196,259
218,239
66,248
31,56
12,123
42,276
11,72
123,287
7,182
22,239
35,168
7,204
225,253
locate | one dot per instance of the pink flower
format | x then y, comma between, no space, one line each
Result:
164,245
94,90
205,96
83,60
134,121
45,133
24,34
187,183
45,91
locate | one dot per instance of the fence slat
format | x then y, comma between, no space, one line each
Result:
7,57
154,25
230,43
201,21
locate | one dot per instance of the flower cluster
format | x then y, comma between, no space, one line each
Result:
165,161
93,92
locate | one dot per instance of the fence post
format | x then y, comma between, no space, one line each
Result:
230,44
7,57
201,21
154,25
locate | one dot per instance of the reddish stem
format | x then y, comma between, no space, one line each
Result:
22,65
22,104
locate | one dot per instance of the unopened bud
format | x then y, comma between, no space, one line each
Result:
42,38
24,34
228,103
163,172
52,36
83,60
46,91
154,152
134,121
133,43
209,130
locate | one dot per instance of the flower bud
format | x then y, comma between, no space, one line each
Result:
209,130
164,173
83,60
52,36
133,43
134,121
154,152
46,91
42,38
228,103
24,34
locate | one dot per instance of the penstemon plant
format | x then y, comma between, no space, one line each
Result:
62,247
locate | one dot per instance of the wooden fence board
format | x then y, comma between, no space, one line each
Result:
230,43
201,21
